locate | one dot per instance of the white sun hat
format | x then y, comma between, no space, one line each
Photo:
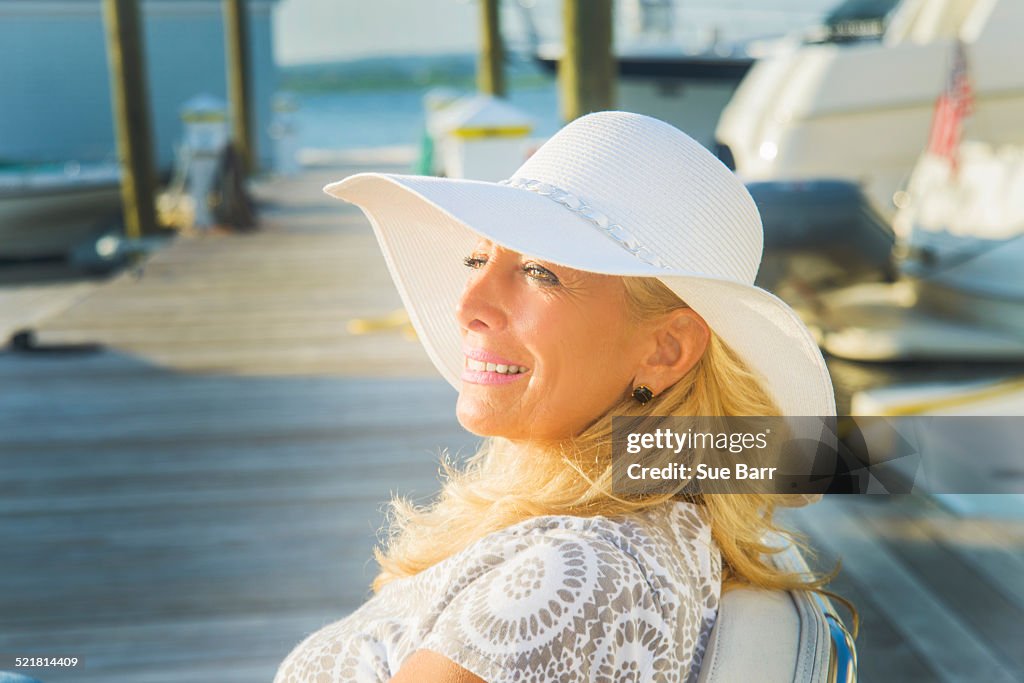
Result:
614,193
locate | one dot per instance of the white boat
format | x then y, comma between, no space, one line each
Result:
960,248
678,62
858,111
47,211
961,232
886,322
963,449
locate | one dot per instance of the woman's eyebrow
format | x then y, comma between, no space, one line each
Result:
543,262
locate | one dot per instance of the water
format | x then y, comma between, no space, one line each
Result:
359,119
373,118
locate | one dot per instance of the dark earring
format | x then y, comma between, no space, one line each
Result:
643,394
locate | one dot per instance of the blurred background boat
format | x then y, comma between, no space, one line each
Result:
960,227
809,120
959,253
46,210
678,61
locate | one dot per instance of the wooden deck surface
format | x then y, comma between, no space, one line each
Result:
188,502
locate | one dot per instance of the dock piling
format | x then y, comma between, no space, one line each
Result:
491,68
130,100
586,71
236,44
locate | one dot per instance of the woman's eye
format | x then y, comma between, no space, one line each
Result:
540,273
473,261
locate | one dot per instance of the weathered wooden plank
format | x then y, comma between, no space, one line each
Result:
314,489
992,548
174,649
952,650
26,306
995,540
391,358
344,454
308,360
996,620
252,408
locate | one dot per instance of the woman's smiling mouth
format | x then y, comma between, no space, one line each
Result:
483,367
499,368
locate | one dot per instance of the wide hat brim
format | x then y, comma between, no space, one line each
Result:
426,226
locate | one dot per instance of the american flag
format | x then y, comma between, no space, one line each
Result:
953,106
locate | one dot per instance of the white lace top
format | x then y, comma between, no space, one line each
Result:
555,598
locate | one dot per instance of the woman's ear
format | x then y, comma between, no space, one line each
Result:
679,341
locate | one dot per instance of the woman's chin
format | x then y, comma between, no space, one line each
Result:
481,425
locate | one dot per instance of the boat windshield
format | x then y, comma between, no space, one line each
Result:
856,20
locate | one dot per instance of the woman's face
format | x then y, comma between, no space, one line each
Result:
566,331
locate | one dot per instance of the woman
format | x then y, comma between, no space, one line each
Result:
611,275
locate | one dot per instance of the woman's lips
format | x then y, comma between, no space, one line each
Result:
500,368
478,377
483,367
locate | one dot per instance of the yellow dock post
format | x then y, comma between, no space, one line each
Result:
491,68
587,70
130,100
236,44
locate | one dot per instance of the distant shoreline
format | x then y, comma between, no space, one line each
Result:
314,86
402,73
373,118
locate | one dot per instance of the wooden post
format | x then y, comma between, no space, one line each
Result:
587,69
236,42
491,69
132,128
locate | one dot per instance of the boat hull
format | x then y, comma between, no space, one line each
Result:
828,221
51,222
688,91
862,111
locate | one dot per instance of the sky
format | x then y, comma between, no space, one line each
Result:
325,30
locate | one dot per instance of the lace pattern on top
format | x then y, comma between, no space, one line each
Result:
550,599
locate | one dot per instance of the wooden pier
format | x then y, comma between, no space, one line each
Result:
188,501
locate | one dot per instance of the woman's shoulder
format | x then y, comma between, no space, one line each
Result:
587,594
651,530
663,544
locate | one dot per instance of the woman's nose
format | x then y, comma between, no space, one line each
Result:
482,304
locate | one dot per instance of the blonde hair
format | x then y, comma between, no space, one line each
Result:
496,489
